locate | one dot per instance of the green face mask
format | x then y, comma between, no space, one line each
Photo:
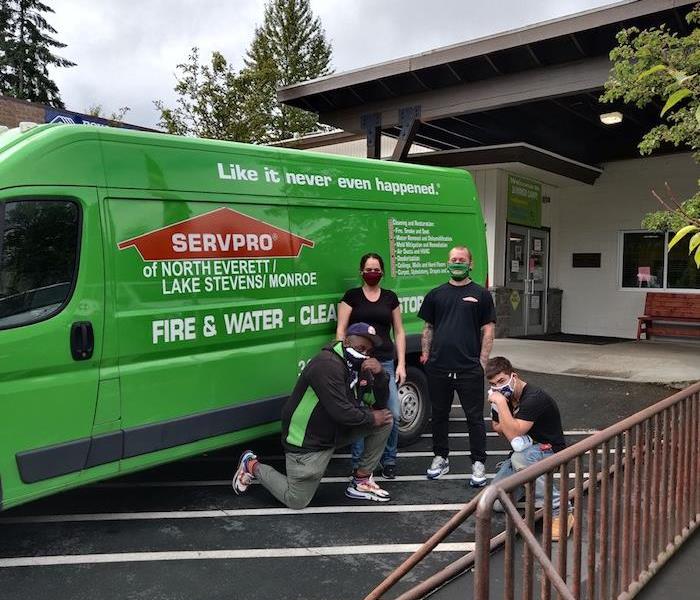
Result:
458,271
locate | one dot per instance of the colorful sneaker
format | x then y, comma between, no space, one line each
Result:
389,471
242,478
439,467
478,479
366,489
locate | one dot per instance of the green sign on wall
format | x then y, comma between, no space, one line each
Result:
524,201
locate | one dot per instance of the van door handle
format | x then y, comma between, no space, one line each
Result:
82,340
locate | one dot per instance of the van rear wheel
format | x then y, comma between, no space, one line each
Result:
414,406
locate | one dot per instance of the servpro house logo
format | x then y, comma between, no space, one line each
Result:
221,233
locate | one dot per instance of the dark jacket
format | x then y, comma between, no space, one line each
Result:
323,406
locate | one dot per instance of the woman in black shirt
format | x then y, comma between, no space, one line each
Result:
380,308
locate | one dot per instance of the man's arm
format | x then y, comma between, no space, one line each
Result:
328,382
508,426
487,334
496,426
380,384
426,341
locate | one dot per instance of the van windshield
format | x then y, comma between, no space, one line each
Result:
38,254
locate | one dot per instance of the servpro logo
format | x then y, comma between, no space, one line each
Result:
221,233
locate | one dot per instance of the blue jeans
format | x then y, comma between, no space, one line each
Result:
389,455
521,460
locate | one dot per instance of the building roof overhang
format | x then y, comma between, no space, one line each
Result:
506,154
539,85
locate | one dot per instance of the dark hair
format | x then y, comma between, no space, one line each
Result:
369,255
496,365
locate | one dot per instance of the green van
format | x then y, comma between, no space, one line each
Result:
160,294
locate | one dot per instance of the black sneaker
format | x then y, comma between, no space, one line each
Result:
389,471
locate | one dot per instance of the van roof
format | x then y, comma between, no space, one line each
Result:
123,159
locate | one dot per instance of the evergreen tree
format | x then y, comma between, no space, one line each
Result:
26,52
213,102
6,39
288,48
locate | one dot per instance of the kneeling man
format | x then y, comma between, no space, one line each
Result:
529,419
339,397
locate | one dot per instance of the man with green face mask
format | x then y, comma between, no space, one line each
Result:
457,340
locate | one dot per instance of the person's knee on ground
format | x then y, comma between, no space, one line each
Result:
297,503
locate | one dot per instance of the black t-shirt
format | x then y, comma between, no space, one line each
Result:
457,314
378,314
538,406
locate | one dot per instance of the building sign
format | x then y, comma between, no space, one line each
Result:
524,201
52,115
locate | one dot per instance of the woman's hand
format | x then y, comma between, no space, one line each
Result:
400,374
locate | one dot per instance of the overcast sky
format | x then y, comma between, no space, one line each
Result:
126,50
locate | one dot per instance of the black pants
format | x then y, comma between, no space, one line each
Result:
469,386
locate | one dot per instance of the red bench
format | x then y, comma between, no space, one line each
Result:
683,309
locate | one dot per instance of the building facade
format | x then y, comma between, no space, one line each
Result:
563,194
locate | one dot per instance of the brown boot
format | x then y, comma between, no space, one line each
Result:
557,526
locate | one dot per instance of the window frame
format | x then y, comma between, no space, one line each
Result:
664,288
78,250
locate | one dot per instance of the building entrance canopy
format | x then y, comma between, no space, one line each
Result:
536,87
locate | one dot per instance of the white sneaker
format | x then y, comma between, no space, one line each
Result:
242,478
478,475
439,467
366,489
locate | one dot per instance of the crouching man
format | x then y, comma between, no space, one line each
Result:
339,397
529,419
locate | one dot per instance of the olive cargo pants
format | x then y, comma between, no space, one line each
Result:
305,469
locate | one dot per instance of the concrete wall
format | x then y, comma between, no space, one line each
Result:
590,220
489,189
358,148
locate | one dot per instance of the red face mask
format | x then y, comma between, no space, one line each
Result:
371,278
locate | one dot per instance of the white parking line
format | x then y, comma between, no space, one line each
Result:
494,434
121,557
227,482
345,456
241,512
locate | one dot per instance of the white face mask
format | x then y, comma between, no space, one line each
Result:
507,388
354,358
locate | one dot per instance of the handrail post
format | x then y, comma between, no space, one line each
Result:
482,551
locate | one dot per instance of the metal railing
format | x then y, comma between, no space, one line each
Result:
643,504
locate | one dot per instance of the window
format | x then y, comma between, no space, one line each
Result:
647,262
38,258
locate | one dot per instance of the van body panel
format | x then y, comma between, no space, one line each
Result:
219,267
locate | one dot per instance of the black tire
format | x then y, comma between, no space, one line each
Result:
414,406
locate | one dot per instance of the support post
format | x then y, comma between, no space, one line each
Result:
372,126
409,121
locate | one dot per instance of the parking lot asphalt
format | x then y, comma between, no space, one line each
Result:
178,532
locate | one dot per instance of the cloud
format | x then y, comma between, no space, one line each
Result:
127,50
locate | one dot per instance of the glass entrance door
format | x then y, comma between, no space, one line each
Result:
527,259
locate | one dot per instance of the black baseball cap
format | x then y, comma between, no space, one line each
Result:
366,331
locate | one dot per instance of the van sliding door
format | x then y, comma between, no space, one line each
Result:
202,308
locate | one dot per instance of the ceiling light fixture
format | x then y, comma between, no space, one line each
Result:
612,118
